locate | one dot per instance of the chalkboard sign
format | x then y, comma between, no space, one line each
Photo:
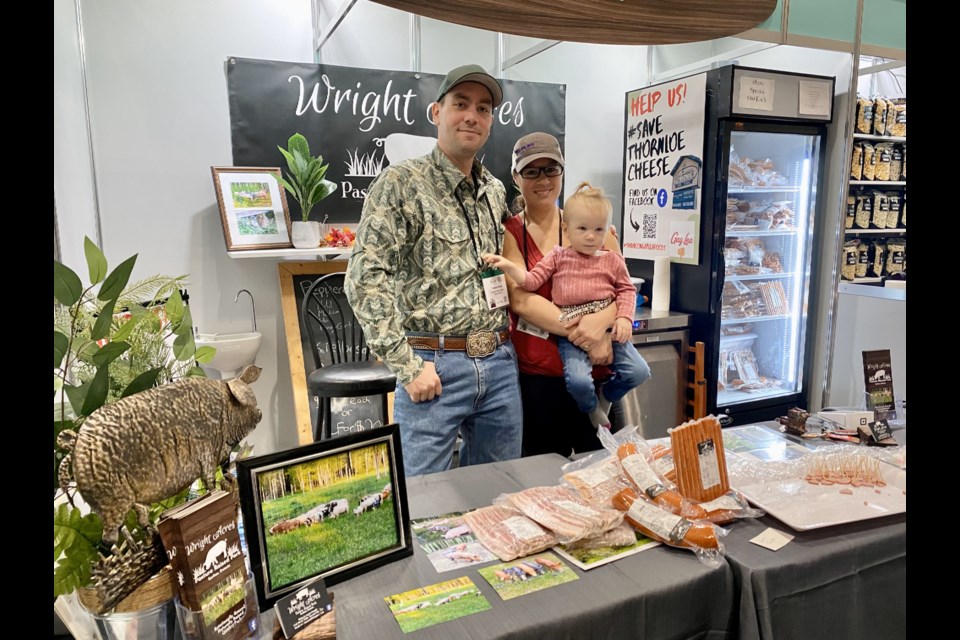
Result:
362,120
350,415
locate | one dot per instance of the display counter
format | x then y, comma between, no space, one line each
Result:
843,581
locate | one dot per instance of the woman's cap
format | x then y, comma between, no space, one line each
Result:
471,73
534,146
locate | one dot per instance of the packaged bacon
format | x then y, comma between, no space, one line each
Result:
597,478
508,533
563,511
620,536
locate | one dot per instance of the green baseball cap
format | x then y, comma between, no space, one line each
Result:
471,73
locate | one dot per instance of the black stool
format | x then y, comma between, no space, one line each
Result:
344,368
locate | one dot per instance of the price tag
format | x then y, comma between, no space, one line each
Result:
495,288
303,606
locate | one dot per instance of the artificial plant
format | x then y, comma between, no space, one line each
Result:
109,341
305,175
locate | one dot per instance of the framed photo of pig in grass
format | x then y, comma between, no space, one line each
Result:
332,509
253,208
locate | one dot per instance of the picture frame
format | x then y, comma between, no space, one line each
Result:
333,509
253,208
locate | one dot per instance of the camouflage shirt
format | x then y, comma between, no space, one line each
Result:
415,264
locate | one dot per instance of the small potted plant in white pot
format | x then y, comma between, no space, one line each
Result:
305,182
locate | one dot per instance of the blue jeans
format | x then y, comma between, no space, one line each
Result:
629,370
479,399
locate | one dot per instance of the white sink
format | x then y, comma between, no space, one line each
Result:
234,351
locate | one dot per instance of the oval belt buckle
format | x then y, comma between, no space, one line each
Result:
481,344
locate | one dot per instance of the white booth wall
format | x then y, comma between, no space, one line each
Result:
150,78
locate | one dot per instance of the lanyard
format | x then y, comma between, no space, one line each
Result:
478,250
526,262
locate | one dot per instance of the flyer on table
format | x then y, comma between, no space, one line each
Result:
436,603
663,170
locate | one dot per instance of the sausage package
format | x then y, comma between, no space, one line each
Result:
703,538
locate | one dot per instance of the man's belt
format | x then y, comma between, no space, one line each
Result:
477,344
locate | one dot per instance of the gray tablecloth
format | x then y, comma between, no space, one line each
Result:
659,593
843,581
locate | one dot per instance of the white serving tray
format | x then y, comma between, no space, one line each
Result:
803,506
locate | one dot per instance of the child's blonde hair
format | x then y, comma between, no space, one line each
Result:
588,196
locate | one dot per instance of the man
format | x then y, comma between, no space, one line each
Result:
414,282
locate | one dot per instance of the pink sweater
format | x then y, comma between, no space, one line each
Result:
578,279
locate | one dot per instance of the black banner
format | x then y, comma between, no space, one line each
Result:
362,120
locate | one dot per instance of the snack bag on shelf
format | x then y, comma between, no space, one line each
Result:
851,212
864,211
869,161
883,156
880,116
879,255
864,115
896,256
893,215
896,162
863,259
856,162
848,265
881,206
897,125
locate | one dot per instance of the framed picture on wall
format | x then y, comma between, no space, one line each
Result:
333,509
253,208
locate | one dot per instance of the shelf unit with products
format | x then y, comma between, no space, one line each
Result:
874,247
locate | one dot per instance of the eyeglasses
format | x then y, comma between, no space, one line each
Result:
551,171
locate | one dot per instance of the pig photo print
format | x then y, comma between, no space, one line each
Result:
334,509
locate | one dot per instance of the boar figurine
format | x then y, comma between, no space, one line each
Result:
152,445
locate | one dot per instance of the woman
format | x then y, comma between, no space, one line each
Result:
552,422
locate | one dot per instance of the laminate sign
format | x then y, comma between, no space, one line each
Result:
362,120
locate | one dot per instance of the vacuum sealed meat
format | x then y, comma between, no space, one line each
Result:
620,536
864,115
508,533
646,480
597,481
848,266
562,511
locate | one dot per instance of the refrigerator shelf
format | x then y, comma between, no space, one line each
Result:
882,232
734,232
753,319
869,136
763,189
881,183
757,276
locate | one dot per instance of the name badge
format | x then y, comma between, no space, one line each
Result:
495,288
532,329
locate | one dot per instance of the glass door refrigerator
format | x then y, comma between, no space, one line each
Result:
751,295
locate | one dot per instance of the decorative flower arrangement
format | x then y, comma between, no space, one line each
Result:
339,237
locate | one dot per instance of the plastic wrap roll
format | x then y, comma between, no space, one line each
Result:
661,283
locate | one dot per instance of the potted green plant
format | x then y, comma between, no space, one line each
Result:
109,342
305,182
